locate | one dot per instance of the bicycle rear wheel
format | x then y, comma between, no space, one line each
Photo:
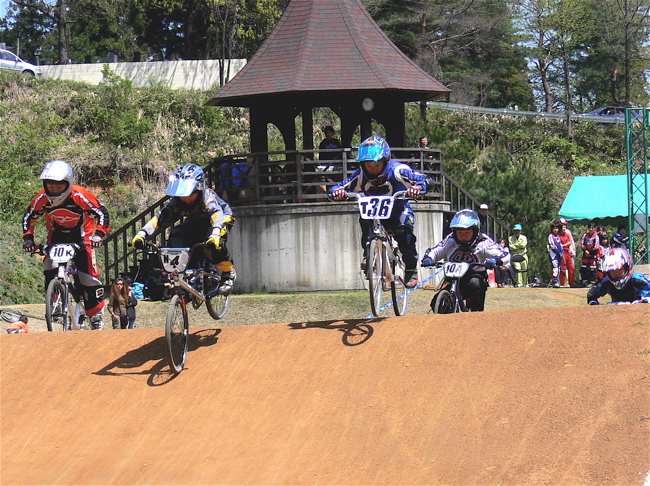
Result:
177,331
443,303
217,305
375,273
397,288
56,312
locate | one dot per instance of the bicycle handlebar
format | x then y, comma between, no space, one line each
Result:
396,195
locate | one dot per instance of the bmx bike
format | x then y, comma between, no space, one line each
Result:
191,287
385,268
448,300
64,305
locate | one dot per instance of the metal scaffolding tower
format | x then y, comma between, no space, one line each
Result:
637,122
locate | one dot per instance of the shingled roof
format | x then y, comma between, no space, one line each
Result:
327,45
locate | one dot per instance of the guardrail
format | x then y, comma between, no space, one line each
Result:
617,120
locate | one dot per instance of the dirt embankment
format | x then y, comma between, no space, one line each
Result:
535,396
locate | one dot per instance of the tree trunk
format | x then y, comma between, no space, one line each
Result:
62,23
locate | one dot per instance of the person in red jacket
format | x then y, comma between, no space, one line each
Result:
72,215
590,244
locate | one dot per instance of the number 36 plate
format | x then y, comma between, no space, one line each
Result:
376,207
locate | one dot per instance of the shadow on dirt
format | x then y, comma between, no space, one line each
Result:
355,332
132,362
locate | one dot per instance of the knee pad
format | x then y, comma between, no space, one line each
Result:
225,266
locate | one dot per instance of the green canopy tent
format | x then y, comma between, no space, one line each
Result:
603,199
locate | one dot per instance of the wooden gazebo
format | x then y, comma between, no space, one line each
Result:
327,53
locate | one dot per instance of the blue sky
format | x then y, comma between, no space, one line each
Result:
4,4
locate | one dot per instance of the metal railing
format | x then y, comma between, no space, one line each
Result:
298,176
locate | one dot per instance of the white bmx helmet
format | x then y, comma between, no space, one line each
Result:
58,171
618,259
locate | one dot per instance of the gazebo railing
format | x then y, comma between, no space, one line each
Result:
299,176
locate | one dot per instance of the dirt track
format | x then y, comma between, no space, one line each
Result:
534,396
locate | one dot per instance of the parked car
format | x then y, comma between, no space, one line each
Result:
617,111
9,60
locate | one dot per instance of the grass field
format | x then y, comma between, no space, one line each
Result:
251,309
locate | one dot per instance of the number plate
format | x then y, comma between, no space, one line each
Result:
61,252
456,269
376,207
174,260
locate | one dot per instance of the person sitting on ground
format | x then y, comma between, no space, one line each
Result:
620,282
380,175
467,244
158,285
208,218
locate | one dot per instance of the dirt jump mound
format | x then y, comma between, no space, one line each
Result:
527,397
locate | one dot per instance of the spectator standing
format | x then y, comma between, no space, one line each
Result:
602,251
555,253
621,238
117,301
423,142
329,142
501,272
567,265
519,246
590,243
483,218
130,305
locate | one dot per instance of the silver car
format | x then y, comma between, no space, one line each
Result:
9,60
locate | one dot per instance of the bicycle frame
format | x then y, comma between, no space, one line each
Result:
382,253
62,254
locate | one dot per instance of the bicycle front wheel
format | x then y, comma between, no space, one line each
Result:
177,331
397,286
443,303
375,273
56,312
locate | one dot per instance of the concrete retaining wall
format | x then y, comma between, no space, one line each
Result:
201,75
297,247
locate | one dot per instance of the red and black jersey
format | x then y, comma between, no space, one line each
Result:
77,218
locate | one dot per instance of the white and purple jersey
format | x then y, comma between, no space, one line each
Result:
483,248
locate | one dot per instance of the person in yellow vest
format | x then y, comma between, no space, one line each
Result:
519,246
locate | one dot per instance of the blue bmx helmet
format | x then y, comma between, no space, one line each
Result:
466,219
374,148
185,180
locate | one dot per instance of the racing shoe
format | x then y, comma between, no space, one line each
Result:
96,323
411,278
364,264
227,282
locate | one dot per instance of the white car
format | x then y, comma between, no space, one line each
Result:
9,60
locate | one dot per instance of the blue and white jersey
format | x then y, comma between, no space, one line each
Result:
395,177
483,248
